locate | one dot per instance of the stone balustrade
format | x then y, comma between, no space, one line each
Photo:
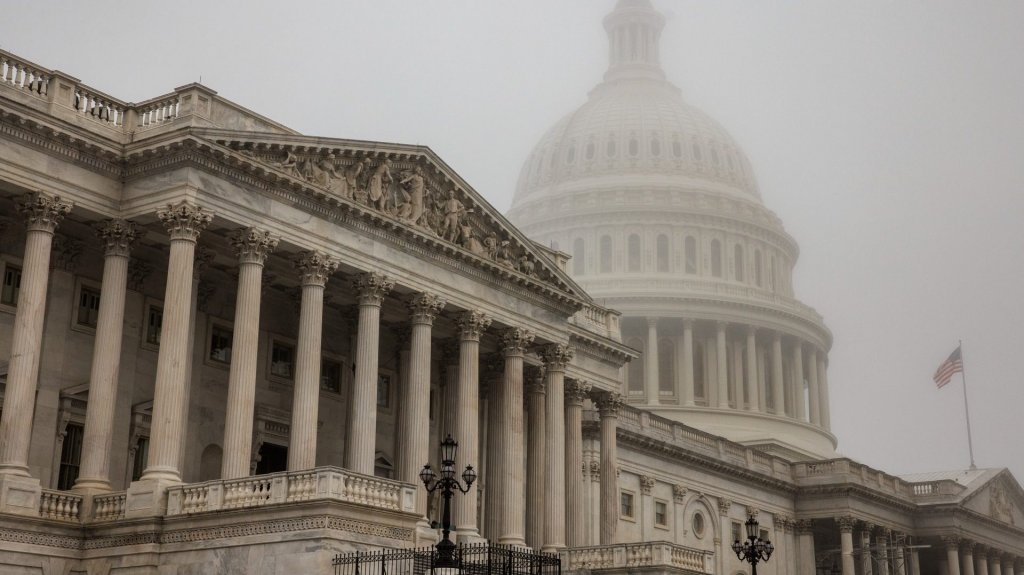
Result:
60,505
844,470
322,483
23,75
99,106
599,320
109,507
631,556
157,111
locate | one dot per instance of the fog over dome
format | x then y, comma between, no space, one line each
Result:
660,210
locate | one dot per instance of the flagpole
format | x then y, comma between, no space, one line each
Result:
967,412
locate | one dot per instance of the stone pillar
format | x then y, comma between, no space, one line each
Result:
751,376
980,560
846,545
575,475
608,405
203,257
722,358
651,379
899,559
866,562
687,362
556,356
535,461
184,222
507,482
1009,564
813,397
42,213
800,411
361,439
252,246
967,557
826,418
471,324
737,373
118,236
805,535
915,562
995,566
882,542
494,372
952,553
314,270
778,391
645,507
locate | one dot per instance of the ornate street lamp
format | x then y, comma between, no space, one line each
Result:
754,549
448,483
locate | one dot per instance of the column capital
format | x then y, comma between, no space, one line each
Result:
515,340
846,523
678,492
721,325
252,245
372,287
752,330
980,551
184,220
652,322
688,323
952,541
804,526
472,324
646,484
315,267
535,384
776,336
576,390
724,505
967,546
43,212
556,356
424,307
118,235
608,403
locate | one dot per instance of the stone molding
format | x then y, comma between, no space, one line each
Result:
424,307
118,236
679,492
515,341
315,267
646,484
472,324
608,403
372,287
252,245
556,356
184,221
43,212
576,391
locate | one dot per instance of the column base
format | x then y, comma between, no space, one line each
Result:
425,534
147,498
469,536
91,486
20,495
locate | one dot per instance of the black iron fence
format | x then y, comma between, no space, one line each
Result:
472,559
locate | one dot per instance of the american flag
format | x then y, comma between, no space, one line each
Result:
954,364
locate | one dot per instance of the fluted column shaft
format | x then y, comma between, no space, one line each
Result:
806,544
651,376
536,499
800,408
94,475
981,562
882,541
184,222
314,270
608,405
967,558
995,564
813,397
867,565
507,474
778,391
472,324
688,362
751,376
252,246
846,545
722,358
42,213
952,554
825,410
575,476
556,357
361,439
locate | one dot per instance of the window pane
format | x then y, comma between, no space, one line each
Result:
88,307
282,360
70,457
11,285
383,390
220,345
154,322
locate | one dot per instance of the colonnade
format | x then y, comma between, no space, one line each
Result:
967,557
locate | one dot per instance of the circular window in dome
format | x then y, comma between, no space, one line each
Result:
698,524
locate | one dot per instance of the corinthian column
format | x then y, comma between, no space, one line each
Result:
360,441
846,544
536,500
952,553
423,309
798,381
42,214
967,557
813,400
751,376
805,533
608,405
472,324
826,417
314,270
252,246
556,357
507,489
184,222
575,491
722,359
778,391
118,236
687,362
651,376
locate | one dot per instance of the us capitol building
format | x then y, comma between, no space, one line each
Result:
228,347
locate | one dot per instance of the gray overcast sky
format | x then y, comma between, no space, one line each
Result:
888,136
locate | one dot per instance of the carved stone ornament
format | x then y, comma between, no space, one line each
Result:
999,505
515,340
315,267
967,546
184,221
252,245
535,383
43,212
608,403
846,523
646,484
472,324
576,390
595,471
951,541
372,287
724,505
424,307
556,356
118,235
804,526
678,492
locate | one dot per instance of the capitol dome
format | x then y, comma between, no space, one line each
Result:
659,209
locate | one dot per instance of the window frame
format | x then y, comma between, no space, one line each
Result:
283,342
667,514
6,263
144,339
390,400
632,504
218,324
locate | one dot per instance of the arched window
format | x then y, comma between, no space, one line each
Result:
716,258
635,372
691,254
737,262
579,254
758,272
606,254
663,253
634,253
666,365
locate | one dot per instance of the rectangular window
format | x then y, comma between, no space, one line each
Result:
70,457
88,306
626,504
220,344
11,285
154,322
330,376
282,360
737,531
141,454
383,390
764,535
660,513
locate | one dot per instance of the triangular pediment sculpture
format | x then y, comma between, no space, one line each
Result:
1000,497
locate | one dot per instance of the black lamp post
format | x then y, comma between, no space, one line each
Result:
448,483
754,549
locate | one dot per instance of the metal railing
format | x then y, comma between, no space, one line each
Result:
473,559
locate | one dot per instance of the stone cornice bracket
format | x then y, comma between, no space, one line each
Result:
315,267
723,506
43,212
118,236
951,541
646,484
372,287
576,390
804,526
252,245
556,356
846,523
184,221
203,257
515,340
472,324
608,403
678,492
424,307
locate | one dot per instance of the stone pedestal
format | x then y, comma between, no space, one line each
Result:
19,495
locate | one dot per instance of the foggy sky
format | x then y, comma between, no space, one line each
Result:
887,136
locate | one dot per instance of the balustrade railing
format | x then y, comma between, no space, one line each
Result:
158,110
60,505
109,507
22,74
638,556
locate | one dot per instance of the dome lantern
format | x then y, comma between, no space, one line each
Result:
634,33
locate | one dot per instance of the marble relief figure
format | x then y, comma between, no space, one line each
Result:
379,185
413,190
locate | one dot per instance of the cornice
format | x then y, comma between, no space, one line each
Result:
72,147
846,489
598,346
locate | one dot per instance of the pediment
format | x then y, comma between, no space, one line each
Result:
1000,498
400,187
